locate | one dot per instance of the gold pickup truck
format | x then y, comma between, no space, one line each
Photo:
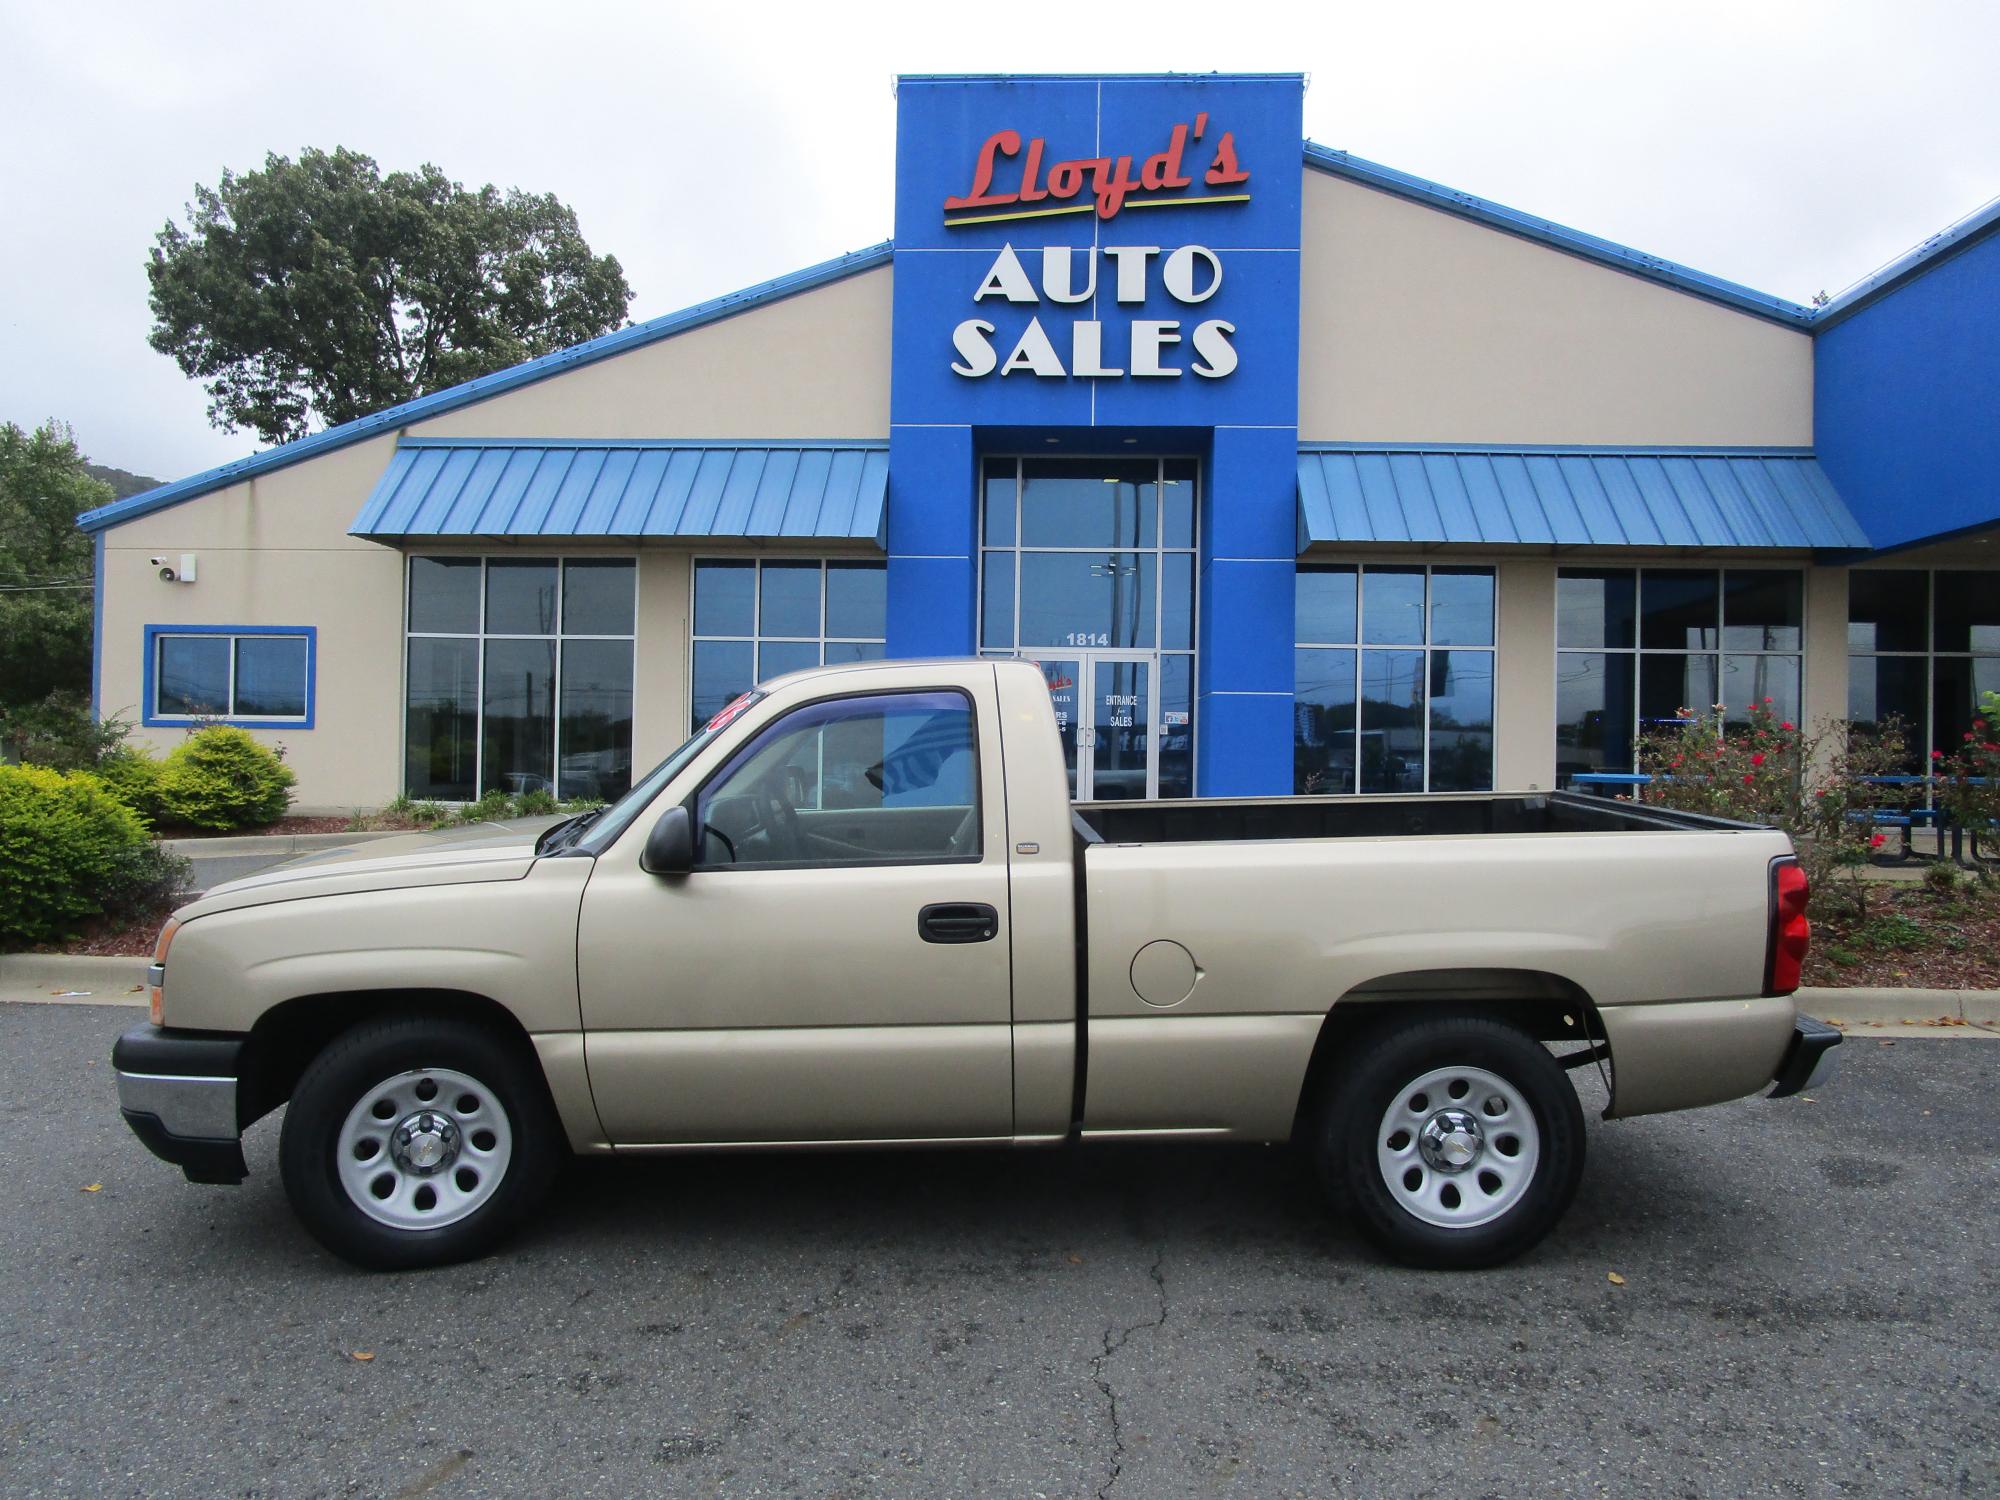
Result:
859,908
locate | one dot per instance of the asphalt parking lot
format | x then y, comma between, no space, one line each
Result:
1809,1308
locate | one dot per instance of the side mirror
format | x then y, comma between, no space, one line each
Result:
670,846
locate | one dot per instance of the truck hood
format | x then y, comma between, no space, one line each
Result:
454,856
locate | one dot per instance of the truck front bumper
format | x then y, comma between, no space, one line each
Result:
177,1090
1809,1060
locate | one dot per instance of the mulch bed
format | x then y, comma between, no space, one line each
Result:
127,937
282,826
1912,938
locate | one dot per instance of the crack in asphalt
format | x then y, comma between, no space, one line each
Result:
1113,1342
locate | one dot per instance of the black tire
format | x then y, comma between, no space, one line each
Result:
358,1062
1385,1061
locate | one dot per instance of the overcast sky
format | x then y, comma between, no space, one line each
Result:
1791,147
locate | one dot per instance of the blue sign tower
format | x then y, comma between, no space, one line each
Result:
1106,266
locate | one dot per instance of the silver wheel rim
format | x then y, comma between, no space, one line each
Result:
424,1149
1458,1147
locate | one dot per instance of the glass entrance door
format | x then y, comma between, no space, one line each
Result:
1105,714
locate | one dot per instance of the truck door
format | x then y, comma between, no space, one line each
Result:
836,965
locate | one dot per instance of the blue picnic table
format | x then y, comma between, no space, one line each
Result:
1905,818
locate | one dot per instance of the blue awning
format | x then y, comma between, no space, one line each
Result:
1580,498
630,490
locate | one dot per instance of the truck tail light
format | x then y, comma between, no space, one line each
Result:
1790,931
157,975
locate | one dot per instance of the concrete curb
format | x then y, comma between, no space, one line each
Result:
72,978
1894,1006
277,845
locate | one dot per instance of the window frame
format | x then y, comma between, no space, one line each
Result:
1928,654
749,748
150,716
480,636
1360,646
757,640
1638,651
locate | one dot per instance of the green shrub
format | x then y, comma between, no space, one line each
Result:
220,777
69,851
133,777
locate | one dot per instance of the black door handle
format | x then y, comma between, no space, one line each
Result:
958,922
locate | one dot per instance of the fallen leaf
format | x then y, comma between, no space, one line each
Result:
1614,1278
93,1187
1807,1099
361,1356
1926,1111
1885,1043
1075,1259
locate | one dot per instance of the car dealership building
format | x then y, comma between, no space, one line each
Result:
1293,471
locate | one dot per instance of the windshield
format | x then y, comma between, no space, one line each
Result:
616,818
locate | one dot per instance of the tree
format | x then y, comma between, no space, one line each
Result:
45,564
320,290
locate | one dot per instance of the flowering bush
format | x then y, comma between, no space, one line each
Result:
1765,770
1969,777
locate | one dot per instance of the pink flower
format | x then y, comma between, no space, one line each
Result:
1786,725
1767,700
1756,760
1749,780
1878,841
1937,755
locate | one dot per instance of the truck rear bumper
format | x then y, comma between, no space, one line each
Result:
1687,1053
1809,1061
177,1090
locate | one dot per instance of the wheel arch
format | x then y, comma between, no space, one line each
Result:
288,1036
1549,1006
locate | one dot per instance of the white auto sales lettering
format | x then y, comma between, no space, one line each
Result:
1189,275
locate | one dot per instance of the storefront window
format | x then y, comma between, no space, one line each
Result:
1087,565
1379,702
759,618
1635,646
519,677
1922,647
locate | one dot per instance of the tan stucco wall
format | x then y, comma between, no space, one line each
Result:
1524,675
1418,326
274,550
812,366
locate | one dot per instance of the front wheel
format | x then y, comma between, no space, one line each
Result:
1451,1141
417,1142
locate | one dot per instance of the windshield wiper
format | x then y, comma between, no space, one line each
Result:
567,832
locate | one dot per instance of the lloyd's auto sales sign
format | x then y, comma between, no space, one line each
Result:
1097,251
1015,183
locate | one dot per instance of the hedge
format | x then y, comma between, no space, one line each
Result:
69,851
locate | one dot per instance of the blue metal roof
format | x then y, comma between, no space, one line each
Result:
452,487
1948,241
1571,497
1543,231
439,402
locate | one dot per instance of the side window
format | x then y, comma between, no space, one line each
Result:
892,778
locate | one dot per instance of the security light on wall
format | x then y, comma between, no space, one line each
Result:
172,571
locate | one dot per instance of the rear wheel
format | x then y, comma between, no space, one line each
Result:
417,1142
1451,1141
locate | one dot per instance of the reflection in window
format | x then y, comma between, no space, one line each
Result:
1415,717
1635,646
885,779
261,677
1098,554
1923,646
519,677
755,619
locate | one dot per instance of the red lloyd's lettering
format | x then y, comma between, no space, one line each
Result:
1112,182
